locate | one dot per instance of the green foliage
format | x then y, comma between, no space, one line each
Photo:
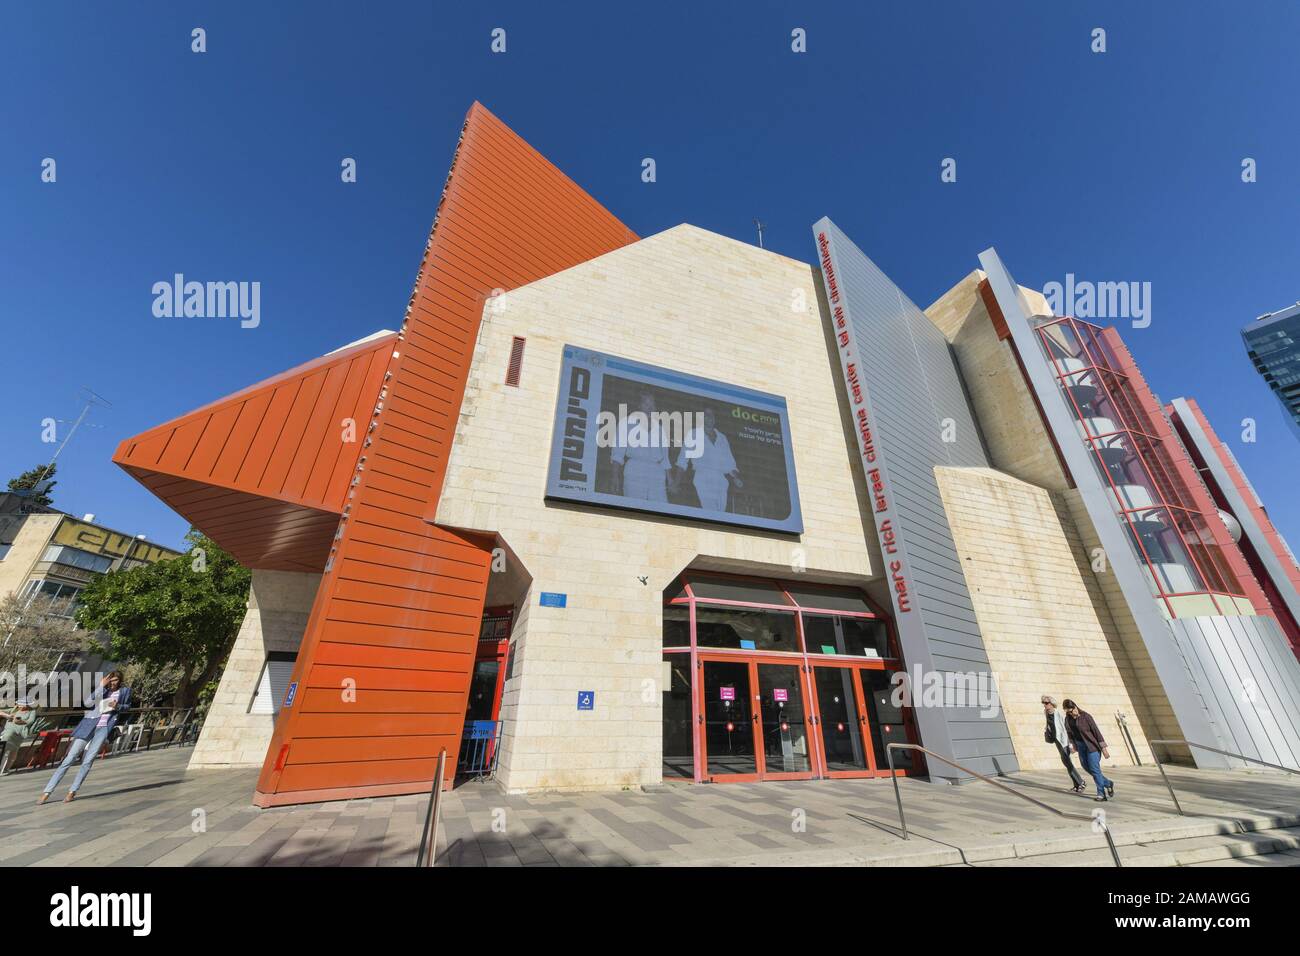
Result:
27,479
36,633
182,614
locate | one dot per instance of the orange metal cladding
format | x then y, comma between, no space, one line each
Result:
265,472
398,612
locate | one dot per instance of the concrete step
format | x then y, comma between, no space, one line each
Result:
1215,849
1289,858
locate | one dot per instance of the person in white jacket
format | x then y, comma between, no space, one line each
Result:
643,468
1056,733
715,468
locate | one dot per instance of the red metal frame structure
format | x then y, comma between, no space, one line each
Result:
1100,381
1276,603
683,595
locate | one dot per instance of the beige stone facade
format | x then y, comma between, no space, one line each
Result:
697,303
1034,498
30,537
1046,629
278,605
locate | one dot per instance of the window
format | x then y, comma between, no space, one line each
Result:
677,626
855,636
75,557
748,629
273,684
749,592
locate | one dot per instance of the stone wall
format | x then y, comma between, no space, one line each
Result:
1046,628
278,605
690,301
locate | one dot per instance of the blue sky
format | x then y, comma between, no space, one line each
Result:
1122,166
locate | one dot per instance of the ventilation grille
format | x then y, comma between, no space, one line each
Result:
516,365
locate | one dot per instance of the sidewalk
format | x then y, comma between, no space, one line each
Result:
147,809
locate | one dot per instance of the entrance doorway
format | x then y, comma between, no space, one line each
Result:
765,681
755,720
481,738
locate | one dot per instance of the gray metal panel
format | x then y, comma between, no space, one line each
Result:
1241,509
1251,683
909,389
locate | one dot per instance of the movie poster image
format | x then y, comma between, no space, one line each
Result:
637,436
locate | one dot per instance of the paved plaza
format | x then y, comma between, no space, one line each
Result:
147,809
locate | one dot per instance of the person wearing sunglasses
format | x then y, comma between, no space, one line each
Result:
1086,737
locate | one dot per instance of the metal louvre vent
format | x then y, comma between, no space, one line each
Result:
516,365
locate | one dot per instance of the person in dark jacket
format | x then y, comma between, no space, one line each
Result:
1056,733
102,709
1091,746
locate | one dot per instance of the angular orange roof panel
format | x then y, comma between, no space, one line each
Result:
265,472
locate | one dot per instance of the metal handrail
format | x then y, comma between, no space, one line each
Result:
1227,753
429,835
898,794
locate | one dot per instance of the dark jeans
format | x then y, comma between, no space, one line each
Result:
1069,765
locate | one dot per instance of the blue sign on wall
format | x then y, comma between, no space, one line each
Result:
630,435
554,599
291,694
586,700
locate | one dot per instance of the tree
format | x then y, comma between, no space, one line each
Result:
27,480
36,633
183,613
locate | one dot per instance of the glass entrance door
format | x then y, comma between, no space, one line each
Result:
856,719
842,722
730,724
784,722
756,721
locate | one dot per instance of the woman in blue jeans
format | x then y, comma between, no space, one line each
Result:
102,709
1087,740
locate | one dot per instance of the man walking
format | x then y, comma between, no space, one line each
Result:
1091,746
1056,733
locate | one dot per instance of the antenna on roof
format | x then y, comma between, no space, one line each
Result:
92,400
760,226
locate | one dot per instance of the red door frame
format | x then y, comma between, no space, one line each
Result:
804,662
753,662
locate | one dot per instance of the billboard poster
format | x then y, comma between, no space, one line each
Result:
630,435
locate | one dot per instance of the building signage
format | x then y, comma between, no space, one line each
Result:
290,694
635,436
728,693
878,486
554,599
96,540
586,700
780,695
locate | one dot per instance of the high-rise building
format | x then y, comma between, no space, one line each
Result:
1273,344
612,509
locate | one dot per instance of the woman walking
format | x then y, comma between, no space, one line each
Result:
1091,746
102,709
